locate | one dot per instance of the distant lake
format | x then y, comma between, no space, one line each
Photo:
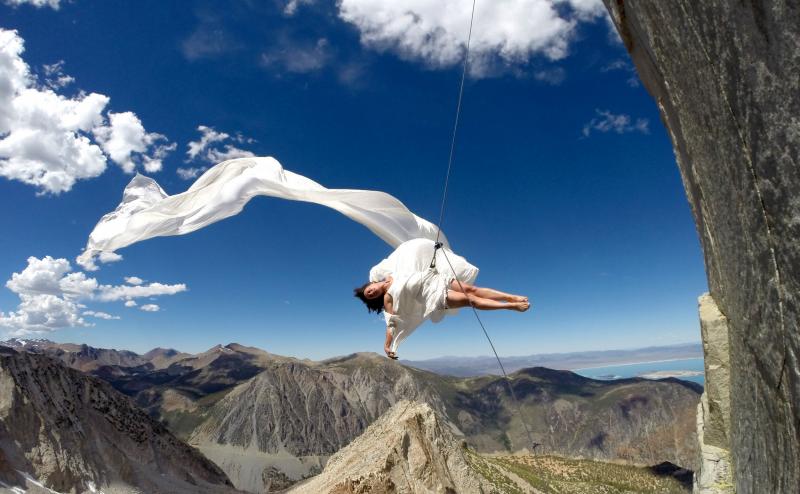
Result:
647,369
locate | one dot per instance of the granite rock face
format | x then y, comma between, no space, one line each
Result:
725,76
713,411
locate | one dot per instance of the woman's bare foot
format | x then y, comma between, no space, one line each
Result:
517,298
520,306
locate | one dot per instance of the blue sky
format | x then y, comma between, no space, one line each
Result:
564,185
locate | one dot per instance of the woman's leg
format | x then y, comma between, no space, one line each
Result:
489,293
456,299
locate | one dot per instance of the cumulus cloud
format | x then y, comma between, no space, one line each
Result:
109,257
208,136
510,32
605,121
111,293
103,257
133,280
150,308
54,4
41,313
227,152
49,140
100,315
212,147
128,144
52,295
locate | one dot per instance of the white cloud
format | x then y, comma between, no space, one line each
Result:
605,121
110,293
54,4
40,276
228,152
51,296
297,57
435,31
292,5
207,136
210,149
46,138
150,308
191,172
104,257
127,143
587,9
100,315
619,64
40,313
133,280
54,76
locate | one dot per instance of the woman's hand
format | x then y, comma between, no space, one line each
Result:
387,345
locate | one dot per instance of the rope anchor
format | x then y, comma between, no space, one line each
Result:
436,246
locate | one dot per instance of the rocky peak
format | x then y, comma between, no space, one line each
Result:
23,342
411,448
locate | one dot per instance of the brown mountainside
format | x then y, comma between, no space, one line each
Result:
74,433
269,421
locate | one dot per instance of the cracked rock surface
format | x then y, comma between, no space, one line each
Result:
725,76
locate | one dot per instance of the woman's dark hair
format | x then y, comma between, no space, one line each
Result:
373,304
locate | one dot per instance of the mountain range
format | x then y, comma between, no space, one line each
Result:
268,421
483,365
73,433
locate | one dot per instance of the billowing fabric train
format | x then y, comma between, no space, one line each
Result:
146,211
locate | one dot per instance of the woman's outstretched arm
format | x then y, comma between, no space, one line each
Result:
387,346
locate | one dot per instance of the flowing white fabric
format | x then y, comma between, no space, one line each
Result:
146,211
419,292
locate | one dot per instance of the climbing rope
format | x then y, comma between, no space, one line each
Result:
534,444
438,245
455,126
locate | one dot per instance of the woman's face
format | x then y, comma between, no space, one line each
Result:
374,290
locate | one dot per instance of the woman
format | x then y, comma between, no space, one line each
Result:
409,299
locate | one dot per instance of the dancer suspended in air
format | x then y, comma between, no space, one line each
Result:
409,292
403,285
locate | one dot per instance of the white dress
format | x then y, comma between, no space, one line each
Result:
418,292
146,211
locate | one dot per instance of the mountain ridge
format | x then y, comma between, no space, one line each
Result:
75,433
269,421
